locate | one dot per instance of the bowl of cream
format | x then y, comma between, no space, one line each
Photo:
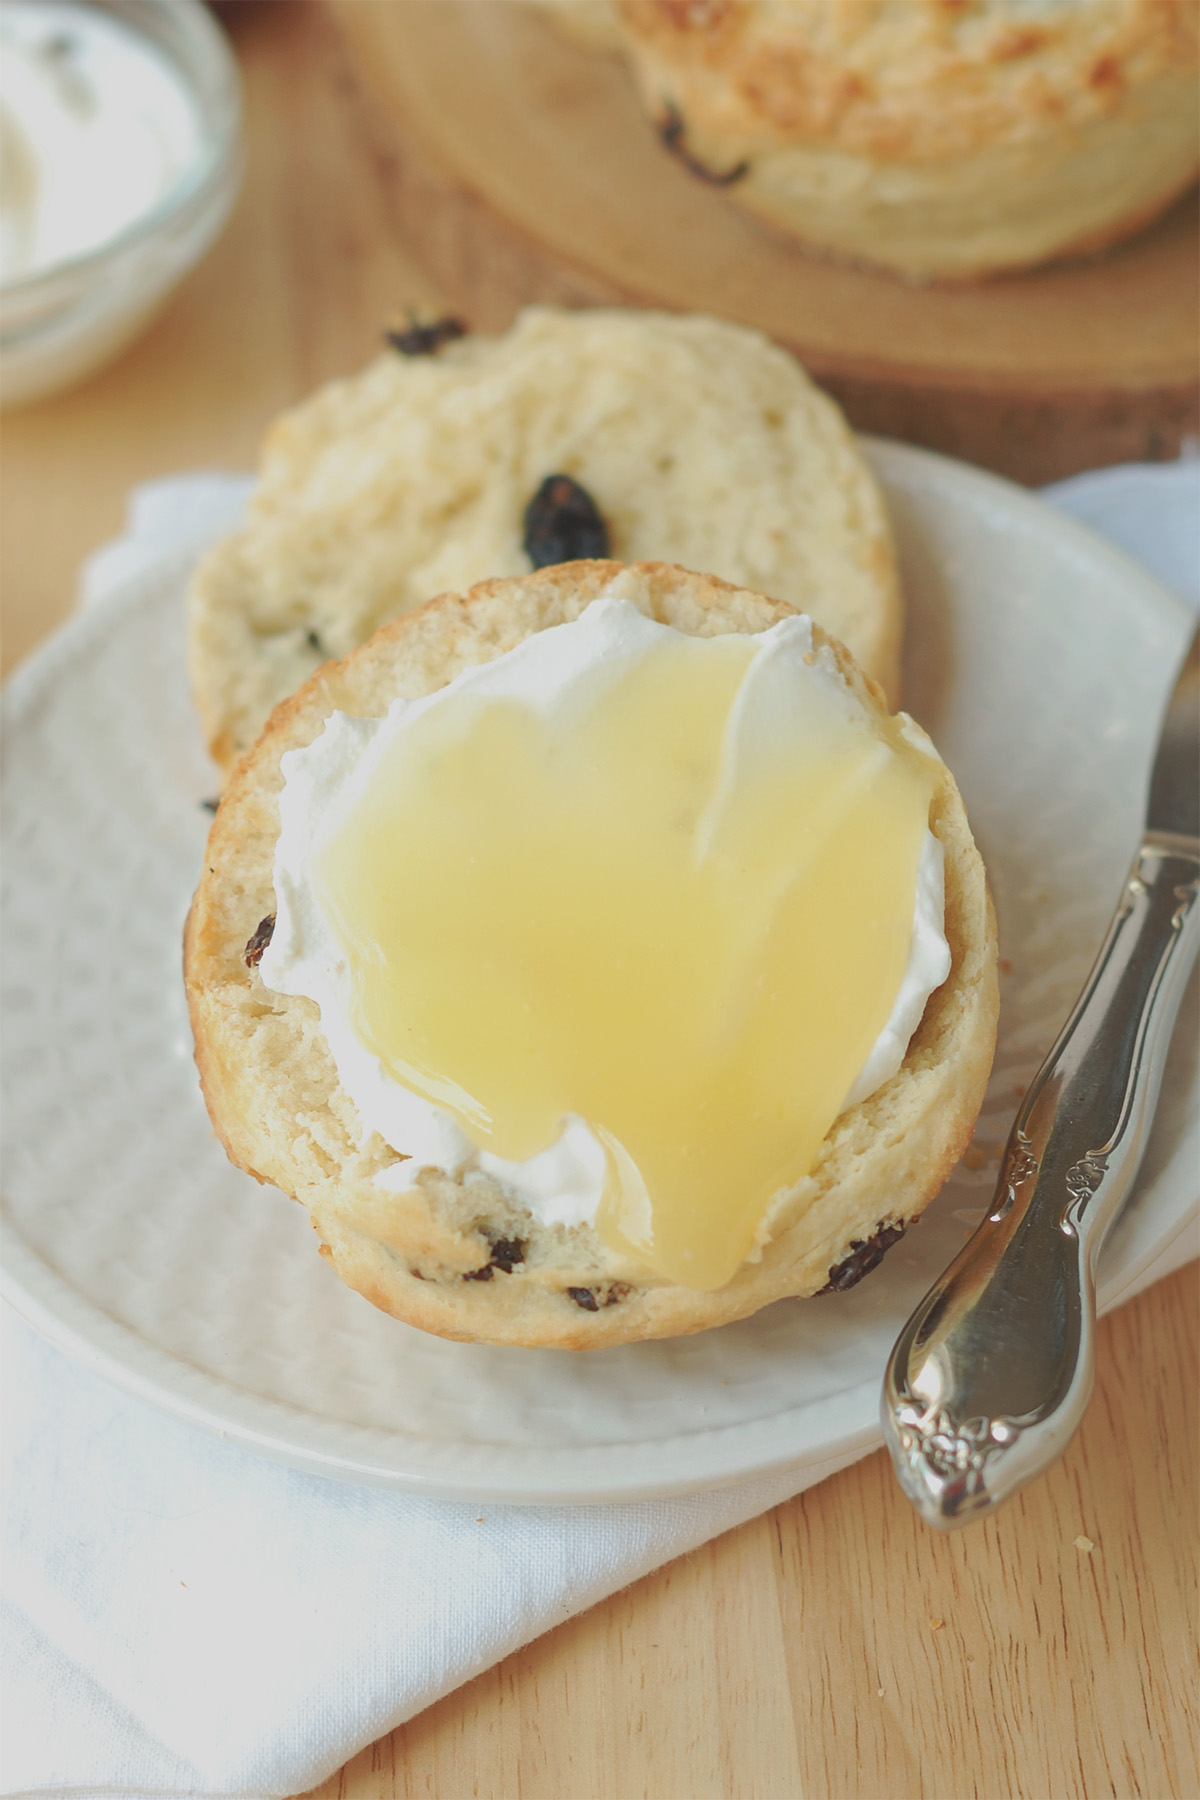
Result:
120,133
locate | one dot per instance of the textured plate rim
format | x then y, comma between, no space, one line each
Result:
711,1457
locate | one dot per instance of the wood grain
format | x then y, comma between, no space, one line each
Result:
750,1670
1037,375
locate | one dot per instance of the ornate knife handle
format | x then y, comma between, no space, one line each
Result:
991,1375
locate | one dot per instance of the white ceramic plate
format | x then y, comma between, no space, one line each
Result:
1039,660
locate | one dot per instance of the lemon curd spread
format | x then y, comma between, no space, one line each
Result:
627,912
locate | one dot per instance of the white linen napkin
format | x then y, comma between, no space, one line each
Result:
183,1617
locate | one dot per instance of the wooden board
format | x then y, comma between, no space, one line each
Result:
1038,375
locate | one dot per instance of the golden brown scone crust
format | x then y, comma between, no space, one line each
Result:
275,1100
701,443
917,81
940,138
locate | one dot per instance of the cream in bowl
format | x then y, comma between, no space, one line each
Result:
119,130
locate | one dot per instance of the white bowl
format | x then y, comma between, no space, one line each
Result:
59,325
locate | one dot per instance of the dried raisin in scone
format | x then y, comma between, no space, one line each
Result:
460,1256
700,443
936,138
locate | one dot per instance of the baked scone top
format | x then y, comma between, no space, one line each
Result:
906,80
700,442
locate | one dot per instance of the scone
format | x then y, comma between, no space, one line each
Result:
477,1248
935,138
698,442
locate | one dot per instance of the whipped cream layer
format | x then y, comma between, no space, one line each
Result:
559,673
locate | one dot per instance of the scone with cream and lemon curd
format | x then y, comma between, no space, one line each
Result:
937,138
596,959
697,441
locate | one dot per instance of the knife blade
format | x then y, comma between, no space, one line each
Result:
1174,800
991,1375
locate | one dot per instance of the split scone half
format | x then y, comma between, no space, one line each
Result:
467,1253
698,442
940,139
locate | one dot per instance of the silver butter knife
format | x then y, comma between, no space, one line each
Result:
991,1375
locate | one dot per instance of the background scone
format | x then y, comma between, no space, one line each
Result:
461,1257
700,443
937,138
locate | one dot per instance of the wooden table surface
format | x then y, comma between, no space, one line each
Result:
834,1647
